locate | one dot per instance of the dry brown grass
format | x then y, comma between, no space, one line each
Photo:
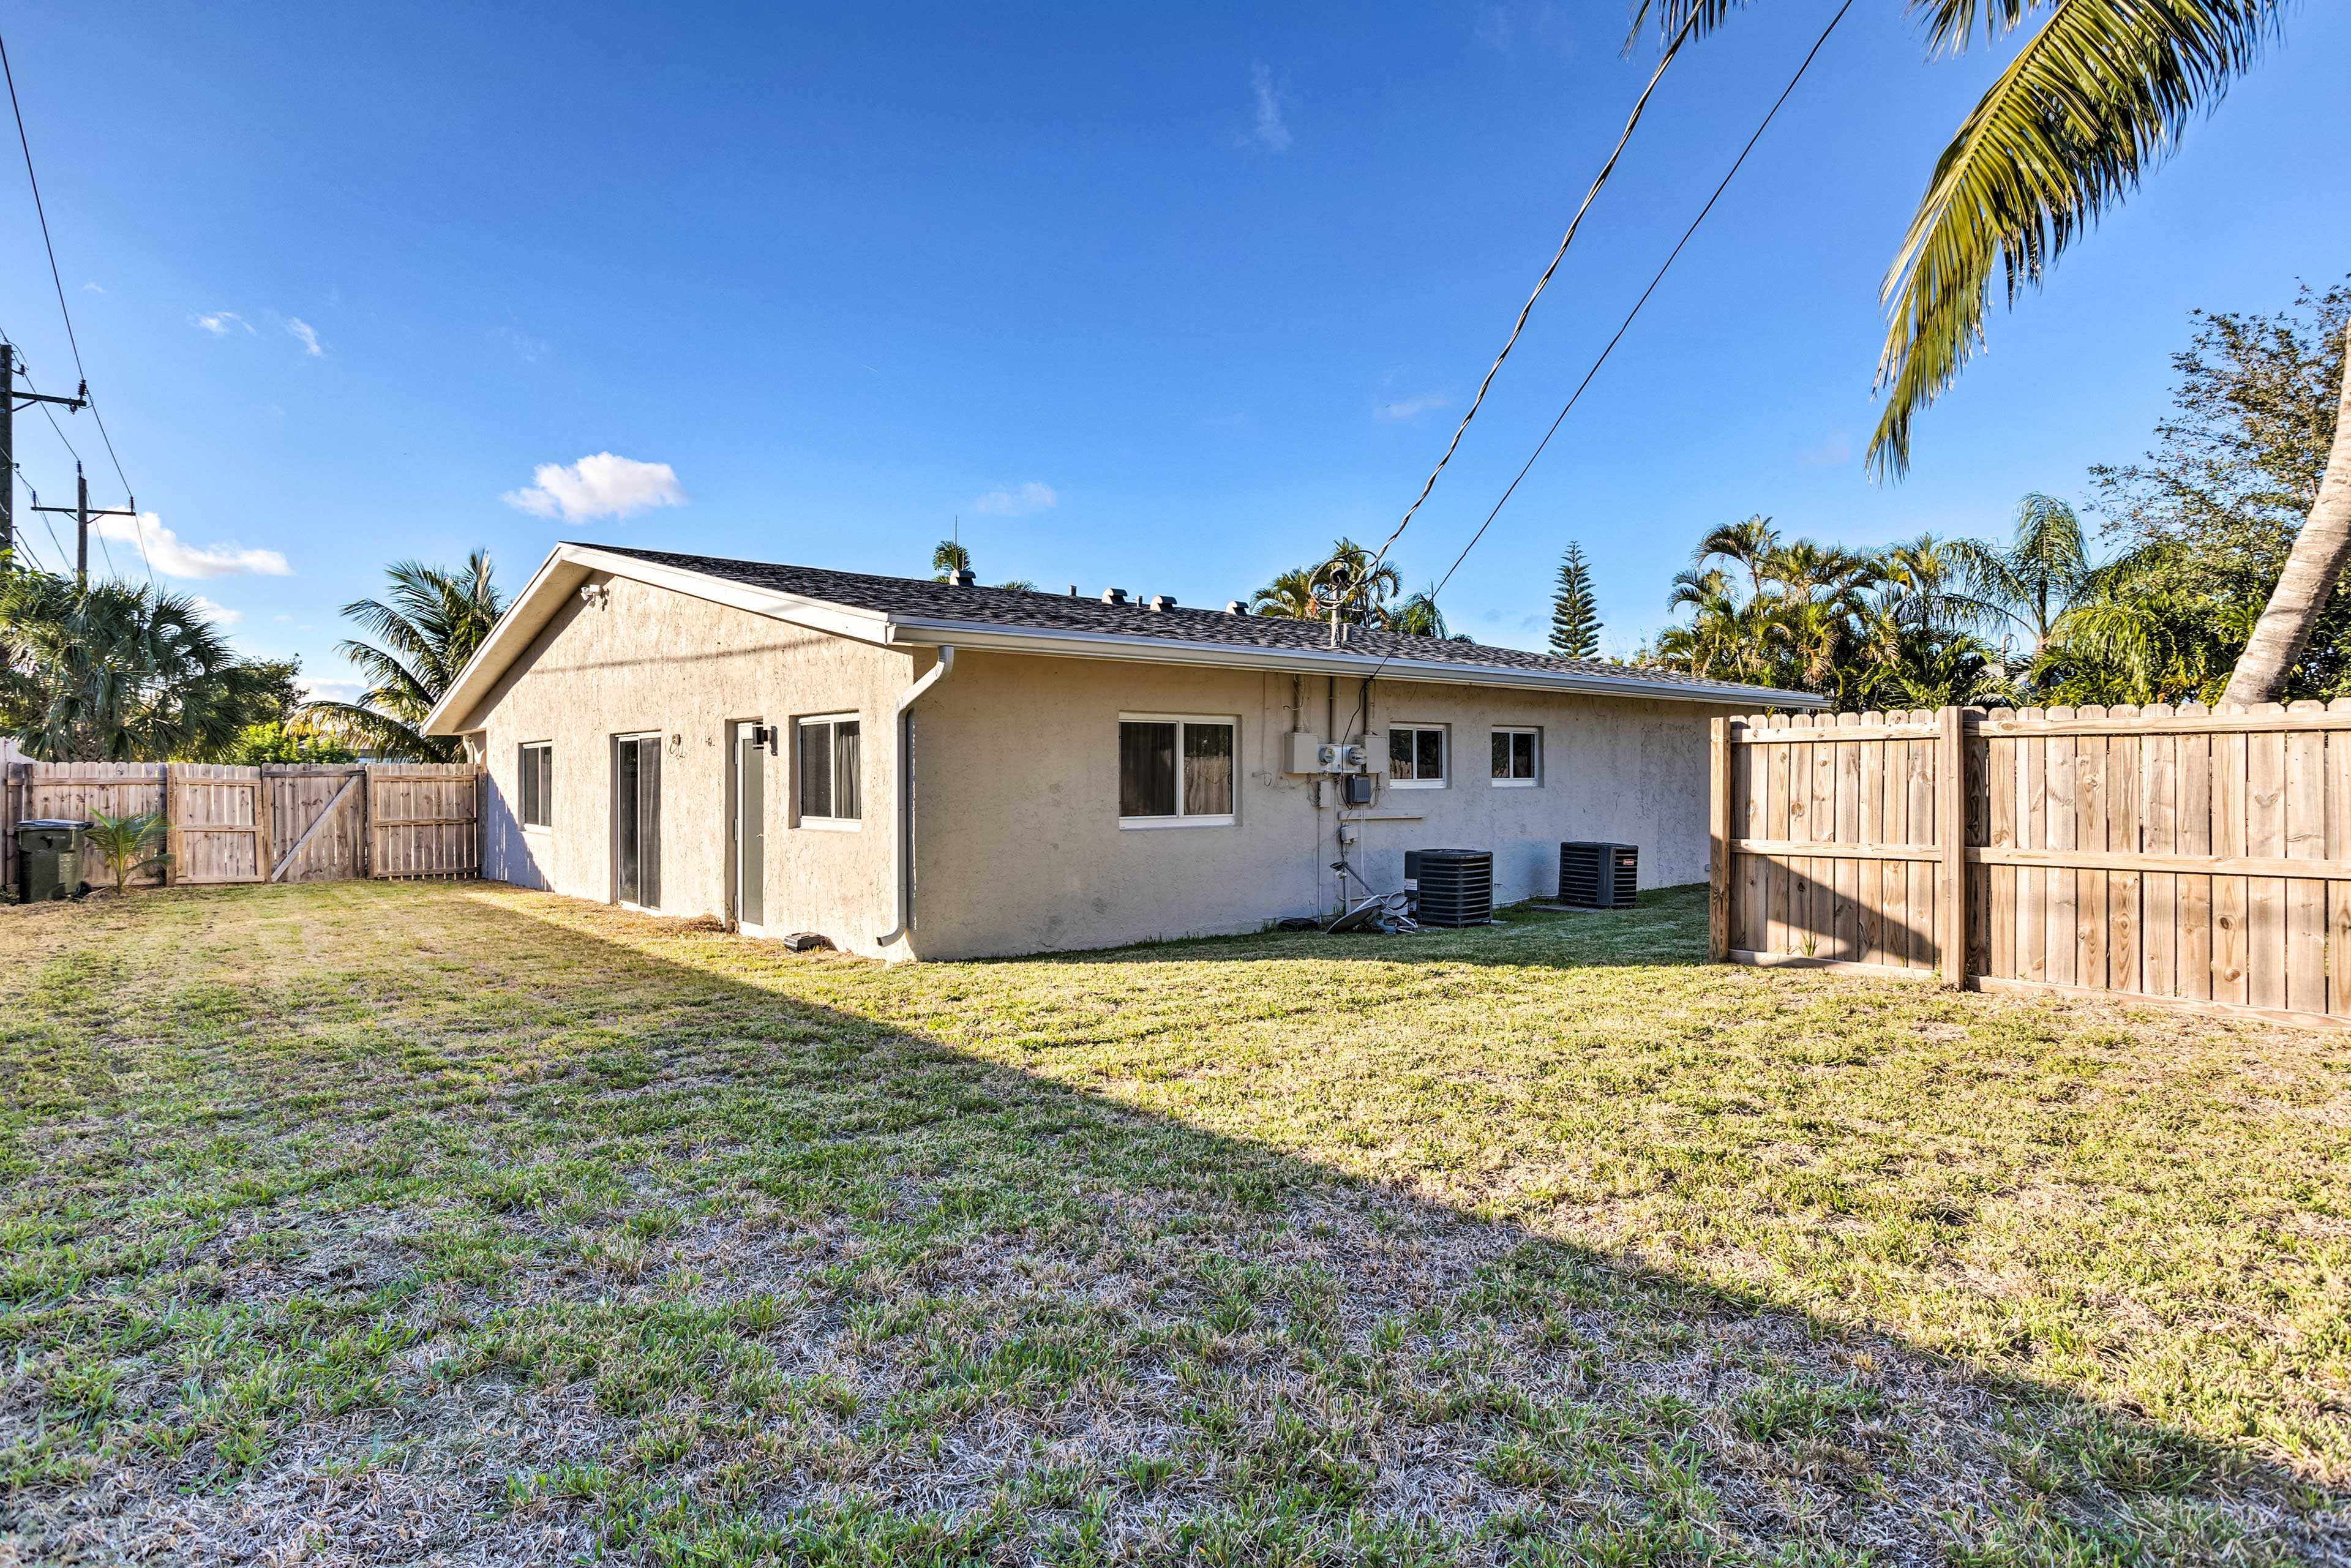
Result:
378,1223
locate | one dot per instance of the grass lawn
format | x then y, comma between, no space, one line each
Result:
410,1223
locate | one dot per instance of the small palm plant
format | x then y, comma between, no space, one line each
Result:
127,843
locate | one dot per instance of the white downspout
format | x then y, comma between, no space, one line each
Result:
901,799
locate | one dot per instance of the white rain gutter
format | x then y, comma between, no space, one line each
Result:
902,804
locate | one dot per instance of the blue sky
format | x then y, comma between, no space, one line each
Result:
1164,301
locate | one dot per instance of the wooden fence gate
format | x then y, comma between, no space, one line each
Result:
2183,857
271,824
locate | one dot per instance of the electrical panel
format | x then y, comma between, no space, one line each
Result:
1305,753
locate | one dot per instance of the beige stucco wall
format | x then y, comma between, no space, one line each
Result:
651,660
1019,846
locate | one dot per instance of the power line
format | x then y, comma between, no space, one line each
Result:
1659,277
58,282
1543,282
1626,325
67,440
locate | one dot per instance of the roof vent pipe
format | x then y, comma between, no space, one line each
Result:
1113,596
962,577
1234,607
1162,602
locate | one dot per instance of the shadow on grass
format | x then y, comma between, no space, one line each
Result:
569,1230
1667,927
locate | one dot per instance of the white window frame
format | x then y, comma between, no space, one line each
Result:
547,801
1516,729
613,755
828,825
1205,820
1445,732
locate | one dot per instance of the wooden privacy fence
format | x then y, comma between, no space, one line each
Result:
271,824
2185,857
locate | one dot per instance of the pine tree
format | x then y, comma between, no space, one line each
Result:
1575,611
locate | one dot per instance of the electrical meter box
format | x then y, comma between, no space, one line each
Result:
1305,753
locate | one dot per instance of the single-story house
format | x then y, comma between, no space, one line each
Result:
936,769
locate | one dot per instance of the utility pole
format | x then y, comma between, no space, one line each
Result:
8,396
81,515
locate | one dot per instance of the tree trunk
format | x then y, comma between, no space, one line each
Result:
2302,590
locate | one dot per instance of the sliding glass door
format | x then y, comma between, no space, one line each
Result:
636,807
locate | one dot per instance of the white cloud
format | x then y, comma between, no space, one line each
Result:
602,486
217,613
1270,131
1834,453
333,691
221,323
302,333
92,289
1409,408
532,350
1548,28
172,558
1029,498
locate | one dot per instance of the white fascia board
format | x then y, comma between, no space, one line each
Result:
526,616
569,566
1329,662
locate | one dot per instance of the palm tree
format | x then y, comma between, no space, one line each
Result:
2320,551
1750,544
1920,586
949,559
2094,98
1362,588
2040,572
1290,595
1418,615
427,627
119,672
2131,636
1943,669
1347,574
1723,641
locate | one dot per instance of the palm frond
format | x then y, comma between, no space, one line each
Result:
1672,15
2093,100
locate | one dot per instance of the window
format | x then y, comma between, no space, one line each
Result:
1516,755
1175,772
831,752
536,783
1417,757
636,827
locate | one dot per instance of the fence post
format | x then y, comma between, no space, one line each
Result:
1951,839
1717,830
175,847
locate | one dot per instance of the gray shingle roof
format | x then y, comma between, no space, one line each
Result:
1014,609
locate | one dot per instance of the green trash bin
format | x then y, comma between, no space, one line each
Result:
48,860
